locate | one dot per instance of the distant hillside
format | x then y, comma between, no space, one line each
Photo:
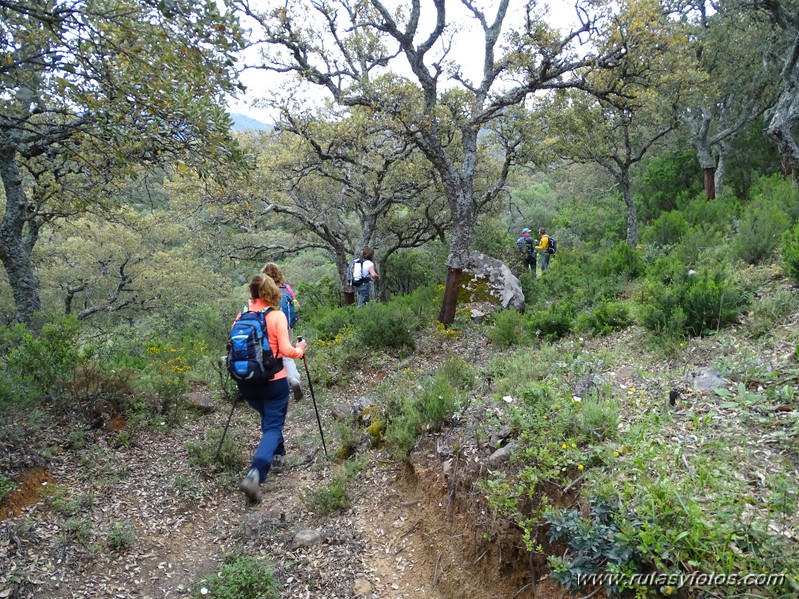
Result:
242,122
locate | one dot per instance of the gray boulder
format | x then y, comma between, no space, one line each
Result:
503,283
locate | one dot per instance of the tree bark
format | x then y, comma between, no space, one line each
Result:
710,183
632,213
451,290
721,169
15,251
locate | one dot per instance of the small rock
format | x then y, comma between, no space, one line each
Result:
708,379
361,587
201,401
362,403
306,538
499,437
502,454
340,413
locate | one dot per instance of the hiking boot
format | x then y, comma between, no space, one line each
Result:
278,462
296,388
249,486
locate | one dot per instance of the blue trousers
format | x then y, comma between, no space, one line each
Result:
271,401
363,293
544,261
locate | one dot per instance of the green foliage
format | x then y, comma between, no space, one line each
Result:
408,270
552,323
668,179
710,216
394,324
602,220
776,190
696,243
759,232
492,238
604,319
509,328
7,485
416,410
241,577
334,497
621,259
667,229
121,535
598,544
771,311
692,303
329,323
77,530
384,326
752,153
202,453
45,362
790,253
461,375
598,418
320,293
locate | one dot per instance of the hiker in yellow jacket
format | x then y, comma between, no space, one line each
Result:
543,247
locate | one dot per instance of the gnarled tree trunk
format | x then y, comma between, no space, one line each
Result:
15,247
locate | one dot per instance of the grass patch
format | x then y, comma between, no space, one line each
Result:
241,577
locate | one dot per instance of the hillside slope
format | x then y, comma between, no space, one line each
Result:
148,514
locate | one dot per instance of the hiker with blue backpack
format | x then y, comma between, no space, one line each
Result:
288,305
259,339
527,244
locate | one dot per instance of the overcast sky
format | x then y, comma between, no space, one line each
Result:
467,51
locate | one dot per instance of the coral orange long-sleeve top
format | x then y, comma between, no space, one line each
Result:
277,330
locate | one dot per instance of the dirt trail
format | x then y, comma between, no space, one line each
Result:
397,541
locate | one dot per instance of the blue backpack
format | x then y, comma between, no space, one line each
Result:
249,357
287,306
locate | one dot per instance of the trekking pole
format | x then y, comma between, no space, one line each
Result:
218,449
310,386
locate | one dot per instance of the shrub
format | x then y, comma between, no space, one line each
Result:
597,418
415,411
667,180
711,216
331,322
328,499
759,233
202,453
694,244
7,485
334,497
121,535
46,362
621,259
604,319
241,577
407,270
384,326
598,544
460,374
771,311
790,253
667,229
692,304
508,329
552,323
